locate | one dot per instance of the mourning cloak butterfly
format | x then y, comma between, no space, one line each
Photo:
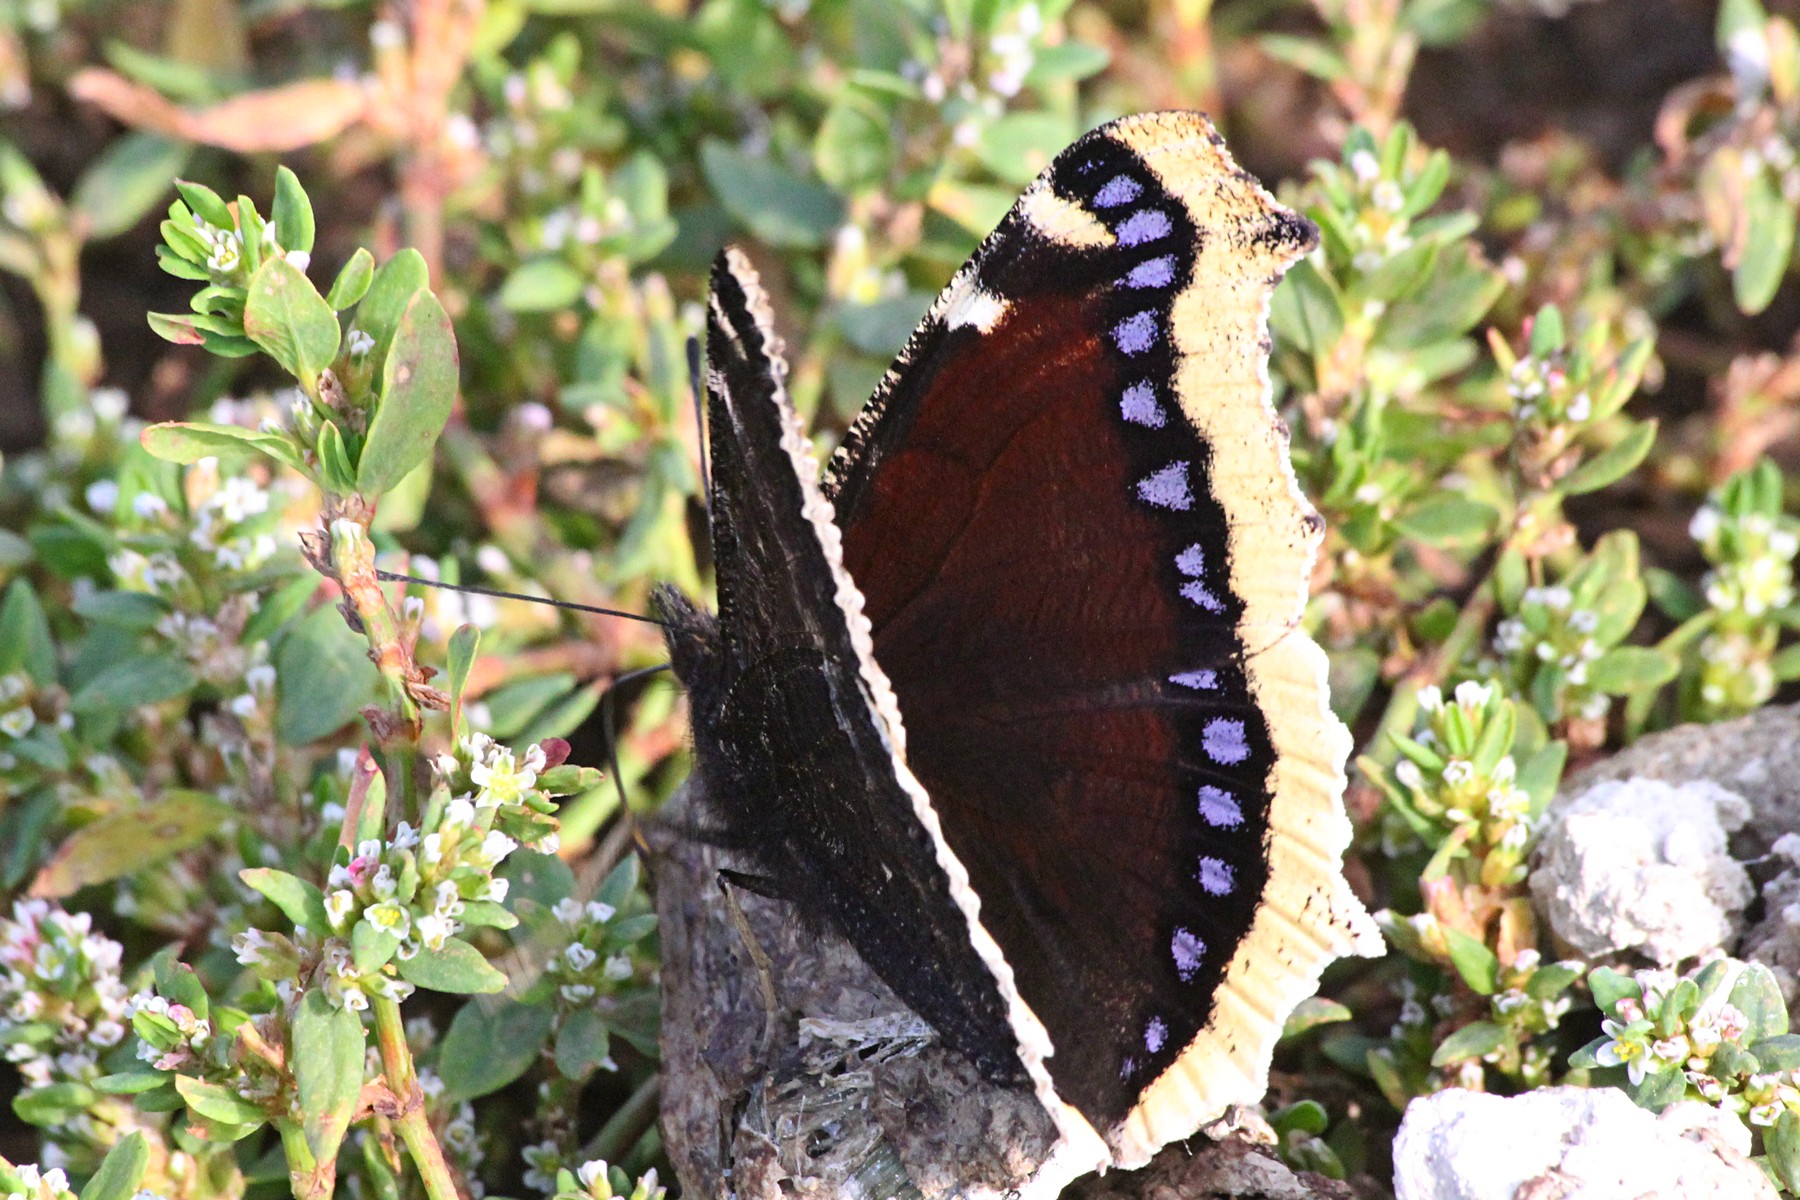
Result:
1016,698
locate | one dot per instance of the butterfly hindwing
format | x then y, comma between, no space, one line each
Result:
794,754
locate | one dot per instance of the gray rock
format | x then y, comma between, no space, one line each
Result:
1564,1143
1757,756
1775,940
1641,866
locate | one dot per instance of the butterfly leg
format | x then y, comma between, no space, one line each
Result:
765,971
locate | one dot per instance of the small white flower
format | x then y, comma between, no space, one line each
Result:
617,968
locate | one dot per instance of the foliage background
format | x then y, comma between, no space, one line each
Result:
1541,376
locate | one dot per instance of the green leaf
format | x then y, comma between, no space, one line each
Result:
1778,1053
352,282
191,441
464,644
177,983
1631,668
1313,1012
1478,966
120,1170
1473,1040
1018,146
1305,1116
1612,464
582,1044
395,284
126,181
1546,983
217,1102
1306,312
128,610
544,879
129,1083
1758,997
25,642
1546,331
1447,521
328,1070
205,204
286,316
1066,62
854,148
326,678
1782,1144
127,841
488,914
53,1104
336,475
371,947
541,285
780,208
1609,987
1587,1058
292,213
418,388
134,681
882,326
490,1044
299,901
1659,1089
1768,244
458,968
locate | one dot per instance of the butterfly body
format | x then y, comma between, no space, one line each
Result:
1016,700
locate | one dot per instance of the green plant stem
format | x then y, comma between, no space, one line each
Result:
403,1081
303,1169
1403,705
624,1127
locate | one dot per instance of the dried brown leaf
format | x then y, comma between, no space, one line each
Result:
271,120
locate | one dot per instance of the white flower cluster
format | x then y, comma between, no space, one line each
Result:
1551,630
1380,229
225,246
579,967
1753,559
1634,1040
1452,791
61,1000
17,718
26,1182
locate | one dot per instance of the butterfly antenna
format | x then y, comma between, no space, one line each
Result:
694,384
609,727
397,577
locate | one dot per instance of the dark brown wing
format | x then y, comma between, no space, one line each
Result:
1084,556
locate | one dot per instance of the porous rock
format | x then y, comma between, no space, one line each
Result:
1642,866
1774,941
1757,756
1564,1143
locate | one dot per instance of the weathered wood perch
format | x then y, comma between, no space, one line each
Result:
839,1090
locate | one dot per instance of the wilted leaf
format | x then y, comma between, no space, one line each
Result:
126,842
272,120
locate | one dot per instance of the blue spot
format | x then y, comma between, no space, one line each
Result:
1168,488
1145,225
1120,189
1219,808
1224,741
1188,952
1138,405
1216,876
1158,272
1200,681
1136,333
1192,561
1202,595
